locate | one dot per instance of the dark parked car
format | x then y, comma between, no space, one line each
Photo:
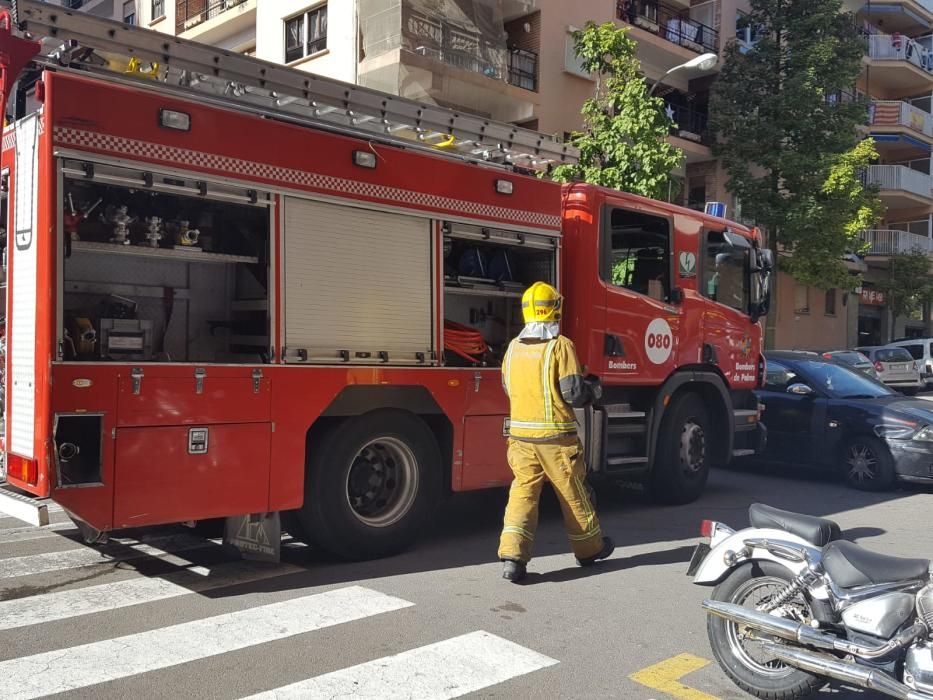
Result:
822,412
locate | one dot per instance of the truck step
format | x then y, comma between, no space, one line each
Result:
21,506
622,410
627,429
625,461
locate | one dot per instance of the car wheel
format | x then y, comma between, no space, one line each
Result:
867,463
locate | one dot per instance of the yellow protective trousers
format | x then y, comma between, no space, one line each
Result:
560,461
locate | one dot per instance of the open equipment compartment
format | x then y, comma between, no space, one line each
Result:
486,270
162,267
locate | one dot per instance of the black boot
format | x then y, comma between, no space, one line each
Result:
513,570
608,548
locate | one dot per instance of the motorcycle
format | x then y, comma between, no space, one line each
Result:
795,605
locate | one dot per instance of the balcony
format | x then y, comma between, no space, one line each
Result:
690,124
191,13
690,28
896,125
888,242
900,63
899,185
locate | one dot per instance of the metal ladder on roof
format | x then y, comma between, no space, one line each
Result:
73,40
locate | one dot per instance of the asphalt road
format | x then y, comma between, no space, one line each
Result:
161,613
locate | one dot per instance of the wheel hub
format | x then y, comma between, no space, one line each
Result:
692,447
382,482
861,463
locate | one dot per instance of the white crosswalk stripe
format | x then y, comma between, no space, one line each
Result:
90,664
86,556
447,669
61,605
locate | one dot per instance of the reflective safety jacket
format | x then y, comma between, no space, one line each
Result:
544,383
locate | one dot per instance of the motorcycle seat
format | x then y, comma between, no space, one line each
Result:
851,566
817,531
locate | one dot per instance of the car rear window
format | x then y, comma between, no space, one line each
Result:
849,356
892,355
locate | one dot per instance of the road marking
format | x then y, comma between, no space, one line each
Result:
161,547
31,532
439,671
62,605
665,677
89,664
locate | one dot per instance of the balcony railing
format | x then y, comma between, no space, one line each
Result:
918,51
886,242
690,124
470,51
896,113
899,177
191,13
678,25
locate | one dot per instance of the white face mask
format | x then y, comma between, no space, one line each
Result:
540,331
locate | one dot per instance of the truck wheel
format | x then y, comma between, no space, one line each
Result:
371,484
681,464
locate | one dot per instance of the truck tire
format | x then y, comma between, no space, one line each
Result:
371,485
681,460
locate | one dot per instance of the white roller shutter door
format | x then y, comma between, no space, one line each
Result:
358,281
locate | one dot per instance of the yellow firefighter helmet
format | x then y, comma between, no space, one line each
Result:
541,302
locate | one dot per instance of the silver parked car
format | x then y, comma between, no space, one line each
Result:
896,368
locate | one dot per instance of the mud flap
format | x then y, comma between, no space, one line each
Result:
257,536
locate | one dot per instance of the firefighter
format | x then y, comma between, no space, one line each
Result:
544,382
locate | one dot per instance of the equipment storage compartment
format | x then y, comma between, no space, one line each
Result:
486,270
162,268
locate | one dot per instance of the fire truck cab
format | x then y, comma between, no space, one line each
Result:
228,298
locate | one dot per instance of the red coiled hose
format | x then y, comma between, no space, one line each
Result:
464,341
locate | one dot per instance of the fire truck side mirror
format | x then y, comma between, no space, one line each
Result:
677,295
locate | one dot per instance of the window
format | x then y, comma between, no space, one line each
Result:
916,351
778,377
892,355
158,9
306,34
129,12
639,254
725,273
801,299
572,64
830,302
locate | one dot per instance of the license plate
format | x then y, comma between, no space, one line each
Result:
699,554
898,368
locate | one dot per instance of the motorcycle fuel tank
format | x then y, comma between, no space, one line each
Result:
879,616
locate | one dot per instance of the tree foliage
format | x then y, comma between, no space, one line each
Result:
908,284
787,133
624,142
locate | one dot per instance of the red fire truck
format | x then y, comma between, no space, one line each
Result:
236,288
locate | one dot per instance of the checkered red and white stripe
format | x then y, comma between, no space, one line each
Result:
225,165
9,140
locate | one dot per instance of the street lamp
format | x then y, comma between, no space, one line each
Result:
703,62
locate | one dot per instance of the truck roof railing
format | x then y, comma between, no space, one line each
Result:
75,40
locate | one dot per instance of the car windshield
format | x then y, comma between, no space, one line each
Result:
850,357
841,382
893,355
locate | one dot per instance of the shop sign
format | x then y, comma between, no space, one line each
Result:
872,297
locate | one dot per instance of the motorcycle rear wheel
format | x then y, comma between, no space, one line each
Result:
742,659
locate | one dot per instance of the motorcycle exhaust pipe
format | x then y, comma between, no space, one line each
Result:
831,667
806,635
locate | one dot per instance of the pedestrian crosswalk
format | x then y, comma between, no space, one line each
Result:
35,606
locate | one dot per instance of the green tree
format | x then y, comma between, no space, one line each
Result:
787,133
624,143
908,284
